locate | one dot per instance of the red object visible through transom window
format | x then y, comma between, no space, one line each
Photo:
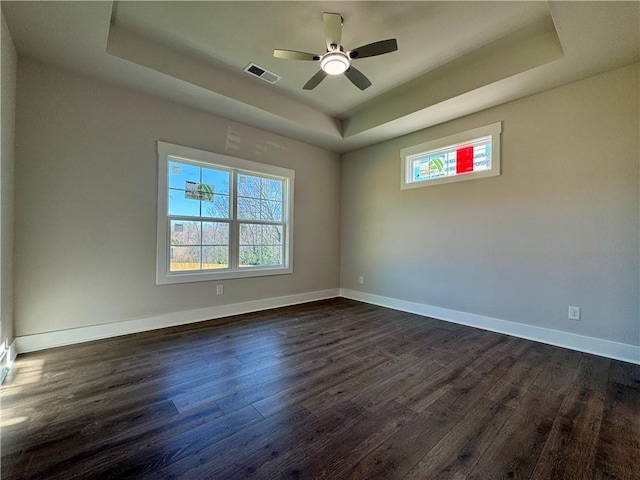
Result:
464,160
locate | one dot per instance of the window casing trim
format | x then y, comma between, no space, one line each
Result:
493,130
235,166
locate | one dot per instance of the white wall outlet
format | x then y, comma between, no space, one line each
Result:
361,280
219,289
574,313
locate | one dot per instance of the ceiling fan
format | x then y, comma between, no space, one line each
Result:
336,61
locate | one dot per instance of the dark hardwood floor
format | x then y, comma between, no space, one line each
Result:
327,390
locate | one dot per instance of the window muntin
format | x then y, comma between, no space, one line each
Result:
198,193
221,217
260,213
468,157
463,156
197,245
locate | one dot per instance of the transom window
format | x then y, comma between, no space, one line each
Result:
463,156
221,217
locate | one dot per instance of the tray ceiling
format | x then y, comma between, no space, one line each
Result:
453,58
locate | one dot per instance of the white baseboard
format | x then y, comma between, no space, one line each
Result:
7,357
13,353
40,341
595,346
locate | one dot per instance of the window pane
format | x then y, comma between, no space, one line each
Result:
255,256
482,157
270,211
215,233
272,235
179,205
260,245
184,258
271,255
250,234
185,233
248,209
435,166
271,189
248,185
215,257
180,173
249,256
453,161
198,191
218,179
217,208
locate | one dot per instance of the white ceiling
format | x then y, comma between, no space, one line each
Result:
453,58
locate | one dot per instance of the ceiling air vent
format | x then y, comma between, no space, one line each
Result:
261,73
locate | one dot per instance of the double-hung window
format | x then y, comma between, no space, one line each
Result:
221,217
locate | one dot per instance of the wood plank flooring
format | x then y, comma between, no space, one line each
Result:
330,390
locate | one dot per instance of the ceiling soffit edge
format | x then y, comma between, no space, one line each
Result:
195,70
525,49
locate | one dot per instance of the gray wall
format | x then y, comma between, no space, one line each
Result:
86,191
7,155
559,227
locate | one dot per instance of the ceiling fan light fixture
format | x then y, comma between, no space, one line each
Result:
334,63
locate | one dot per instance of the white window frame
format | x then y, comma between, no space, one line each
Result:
408,154
236,165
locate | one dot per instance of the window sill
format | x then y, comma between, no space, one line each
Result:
250,272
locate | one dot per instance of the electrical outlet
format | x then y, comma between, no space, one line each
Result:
361,280
574,313
219,289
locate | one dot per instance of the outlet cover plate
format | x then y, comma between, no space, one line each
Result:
574,313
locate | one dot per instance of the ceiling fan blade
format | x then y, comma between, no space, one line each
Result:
357,78
293,55
373,49
332,29
315,80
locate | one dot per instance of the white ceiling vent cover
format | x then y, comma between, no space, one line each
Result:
261,73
